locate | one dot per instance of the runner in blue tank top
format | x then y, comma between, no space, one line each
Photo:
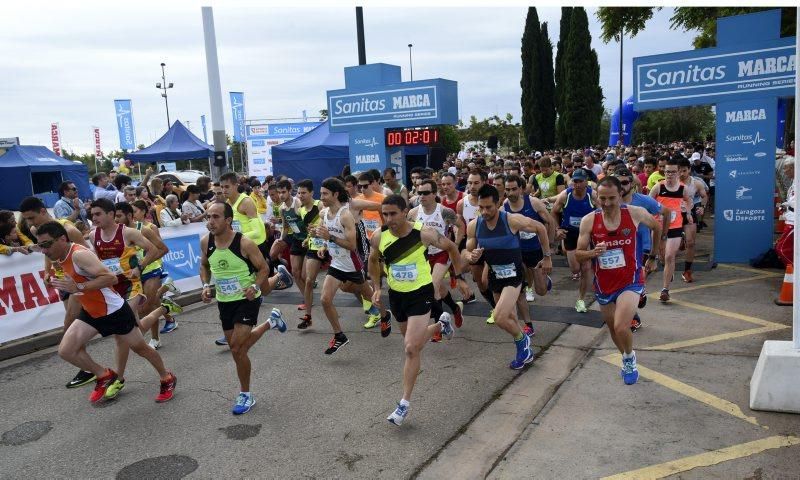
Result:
531,207
572,205
492,236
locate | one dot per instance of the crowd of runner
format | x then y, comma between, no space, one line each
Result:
498,221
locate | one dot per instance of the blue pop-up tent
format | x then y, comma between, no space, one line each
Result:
177,144
28,170
315,155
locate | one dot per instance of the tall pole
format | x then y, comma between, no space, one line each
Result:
796,286
220,163
164,87
410,63
362,50
621,36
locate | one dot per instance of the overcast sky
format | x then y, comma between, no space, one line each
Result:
67,61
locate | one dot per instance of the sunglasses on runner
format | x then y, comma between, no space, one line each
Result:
46,244
363,185
425,192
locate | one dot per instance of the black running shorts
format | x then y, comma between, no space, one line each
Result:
531,258
571,240
356,277
411,304
119,322
239,311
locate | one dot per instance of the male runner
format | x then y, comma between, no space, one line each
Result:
551,183
339,234
372,219
608,238
531,207
441,219
309,218
390,179
239,268
467,209
103,311
401,245
294,233
573,204
493,236
672,194
643,235
35,214
450,198
695,189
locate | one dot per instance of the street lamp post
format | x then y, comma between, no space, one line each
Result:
163,86
410,64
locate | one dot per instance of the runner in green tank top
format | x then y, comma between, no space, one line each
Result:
238,268
309,219
401,245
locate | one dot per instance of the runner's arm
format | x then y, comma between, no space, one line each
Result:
75,236
703,197
548,219
349,226
430,236
361,204
151,233
252,253
89,263
450,218
412,214
582,252
374,261
641,215
135,237
258,232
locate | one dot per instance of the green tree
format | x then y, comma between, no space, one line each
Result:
583,102
451,141
560,79
686,123
510,135
548,101
531,81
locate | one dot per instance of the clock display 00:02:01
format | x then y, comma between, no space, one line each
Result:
422,136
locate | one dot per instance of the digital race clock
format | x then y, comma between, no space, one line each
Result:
427,136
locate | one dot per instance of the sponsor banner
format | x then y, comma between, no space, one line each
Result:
55,136
168,167
9,142
409,104
237,113
397,160
98,152
712,75
127,136
262,137
27,305
368,150
745,179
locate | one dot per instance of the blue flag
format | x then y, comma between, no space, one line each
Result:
237,112
127,136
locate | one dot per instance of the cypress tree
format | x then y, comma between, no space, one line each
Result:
561,50
548,100
531,80
582,107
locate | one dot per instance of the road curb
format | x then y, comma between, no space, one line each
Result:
487,438
40,341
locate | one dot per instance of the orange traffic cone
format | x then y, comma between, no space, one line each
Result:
786,296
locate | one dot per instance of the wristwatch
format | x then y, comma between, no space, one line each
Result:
206,285
548,254
80,286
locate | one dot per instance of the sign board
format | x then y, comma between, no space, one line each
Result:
9,142
167,167
55,136
262,137
237,114
127,135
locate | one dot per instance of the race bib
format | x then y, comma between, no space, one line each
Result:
544,186
237,226
371,225
113,265
673,214
404,273
335,250
316,243
294,227
229,286
575,221
526,235
504,271
611,259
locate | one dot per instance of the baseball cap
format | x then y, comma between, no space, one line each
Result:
622,172
579,174
537,155
696,156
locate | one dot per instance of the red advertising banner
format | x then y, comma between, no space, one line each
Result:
56,137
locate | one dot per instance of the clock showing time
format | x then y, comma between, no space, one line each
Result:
427,136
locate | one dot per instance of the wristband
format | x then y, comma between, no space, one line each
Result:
206,285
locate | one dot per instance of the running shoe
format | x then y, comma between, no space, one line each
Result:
372,320
687,276
576,276
335,344
276,320
285,279
458,316
169,326
470,299
305,323
167,389
386,324
447,325
315,284
154,343
629,372
636,322
529,297
643,299
81,379
436,337
664,297
101,384
580,306
172,307
222,341
302,306
528,330
244,402
524,353
398,415
113,390
490,320
171,288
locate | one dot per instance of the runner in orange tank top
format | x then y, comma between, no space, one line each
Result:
103,311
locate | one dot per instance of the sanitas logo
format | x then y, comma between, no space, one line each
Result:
362,105
745,115
367,142
182,257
